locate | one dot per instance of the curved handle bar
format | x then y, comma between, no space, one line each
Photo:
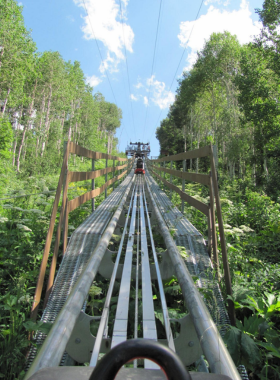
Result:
108,367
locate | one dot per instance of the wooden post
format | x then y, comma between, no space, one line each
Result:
183,187
231,309
128,167
106,177
63,216
93,185
62,224
65,227
170,193
117,173
64,211
40,281
213,227
209,222
113,174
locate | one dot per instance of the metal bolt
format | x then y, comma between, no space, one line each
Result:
191,343
78,340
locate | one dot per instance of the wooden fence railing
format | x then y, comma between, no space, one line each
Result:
67,206
209,180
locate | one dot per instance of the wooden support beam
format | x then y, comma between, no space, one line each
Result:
80,151
197,153
83,176
195,177
231,309
213,228
93,183
40,281
202,207
106,176
76,202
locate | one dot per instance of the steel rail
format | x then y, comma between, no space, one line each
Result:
105,312
121,318
213,347
137,278
54,346
168,330
148,313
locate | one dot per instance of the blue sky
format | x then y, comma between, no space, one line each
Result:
142,89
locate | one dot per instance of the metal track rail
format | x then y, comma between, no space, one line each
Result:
83,257
121,318
54,345
197,259
105,313
168,330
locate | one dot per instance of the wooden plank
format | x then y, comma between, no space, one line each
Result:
204,179
202,207
63,222
76,202
80,151
197,153
40,281
231,309
213,225
209,234
83,176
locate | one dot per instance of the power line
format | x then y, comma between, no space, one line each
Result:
127,70
102,60
181,58
152,71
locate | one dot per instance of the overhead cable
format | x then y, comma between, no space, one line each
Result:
127,71
181,59
152,71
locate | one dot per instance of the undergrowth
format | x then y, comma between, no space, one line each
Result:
24,223
252,227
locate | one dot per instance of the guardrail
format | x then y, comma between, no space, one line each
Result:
209,180
67,206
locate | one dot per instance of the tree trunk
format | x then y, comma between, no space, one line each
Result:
31,105
191,136
20,147
197,160
254,164
214,115
40,124
16,135
5,102
47,122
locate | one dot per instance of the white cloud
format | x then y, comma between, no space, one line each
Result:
133,97
236,22
138,85
93,81
104,24
225,3
70,18
146,100
159,95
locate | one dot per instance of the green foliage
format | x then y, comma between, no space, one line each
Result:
251,224
47,101
6,138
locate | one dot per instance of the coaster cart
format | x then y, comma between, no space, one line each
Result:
139,166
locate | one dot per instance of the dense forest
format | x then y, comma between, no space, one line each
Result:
230,98
45,101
